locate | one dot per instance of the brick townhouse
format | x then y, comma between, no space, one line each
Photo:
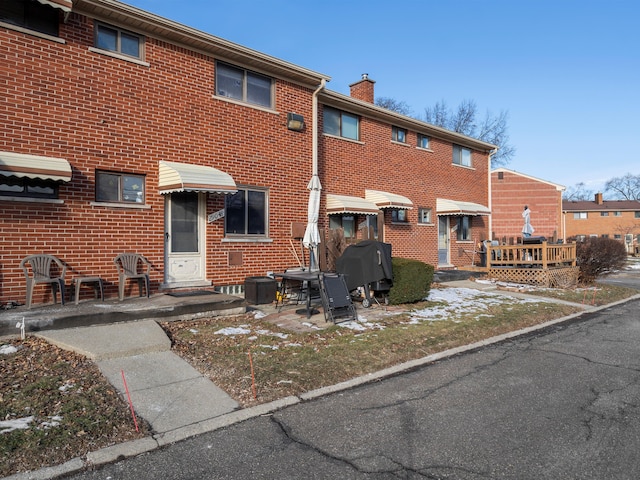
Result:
423,189
511,191
127,132
618,219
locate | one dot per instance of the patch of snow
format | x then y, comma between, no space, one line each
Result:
233,331
7,349
7,426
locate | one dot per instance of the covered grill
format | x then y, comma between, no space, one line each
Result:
368,265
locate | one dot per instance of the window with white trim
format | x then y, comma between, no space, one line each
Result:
246,213
244,85
579,215
114,39
461,156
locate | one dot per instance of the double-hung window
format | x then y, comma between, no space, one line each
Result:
114,39
115,187
31,15
398,135
341,124
461,156
579,215
244,85
246,213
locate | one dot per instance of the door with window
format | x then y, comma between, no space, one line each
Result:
185,239
443,240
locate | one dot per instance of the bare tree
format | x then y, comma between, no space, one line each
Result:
398,106
624,188
578,192
492,129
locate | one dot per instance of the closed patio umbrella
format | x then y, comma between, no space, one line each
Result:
527,229
311,237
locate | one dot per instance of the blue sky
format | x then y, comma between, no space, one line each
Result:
566,71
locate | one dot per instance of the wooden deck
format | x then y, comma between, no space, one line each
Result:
543,264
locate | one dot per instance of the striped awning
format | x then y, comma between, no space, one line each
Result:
388,200
186,177
64,5
340,204
34,166
455,207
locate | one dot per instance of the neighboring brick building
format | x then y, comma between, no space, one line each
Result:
124,131
619,219
511,191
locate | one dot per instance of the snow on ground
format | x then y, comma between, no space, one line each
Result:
450,304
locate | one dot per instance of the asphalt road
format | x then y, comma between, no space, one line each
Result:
559,404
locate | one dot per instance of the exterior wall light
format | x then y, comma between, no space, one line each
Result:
295,122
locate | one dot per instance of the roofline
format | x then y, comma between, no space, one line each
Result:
606,205
152,25
345,102
562,188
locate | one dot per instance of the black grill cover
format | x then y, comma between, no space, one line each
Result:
361,263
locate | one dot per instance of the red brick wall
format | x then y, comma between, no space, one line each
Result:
510,194
596,224
377,163
104,113
99,112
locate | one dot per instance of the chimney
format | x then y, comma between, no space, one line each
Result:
363,89
599,198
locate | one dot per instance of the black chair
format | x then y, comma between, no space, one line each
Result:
336,299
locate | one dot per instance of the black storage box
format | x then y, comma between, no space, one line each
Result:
259,290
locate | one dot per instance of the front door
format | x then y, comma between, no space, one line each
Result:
443,240
185,239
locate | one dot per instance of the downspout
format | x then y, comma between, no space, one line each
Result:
315,128
491,153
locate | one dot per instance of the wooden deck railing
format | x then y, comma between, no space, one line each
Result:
542,255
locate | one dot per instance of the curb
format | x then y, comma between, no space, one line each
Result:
144,445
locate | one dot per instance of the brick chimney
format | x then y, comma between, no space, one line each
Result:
599,198
363,89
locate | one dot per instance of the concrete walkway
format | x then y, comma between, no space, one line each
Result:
165,390
177,400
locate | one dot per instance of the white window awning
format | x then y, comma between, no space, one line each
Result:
186,177
455,207
34,166
388,200
341,204
64,5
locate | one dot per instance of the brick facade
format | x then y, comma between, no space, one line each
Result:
511,191
600,218
66,100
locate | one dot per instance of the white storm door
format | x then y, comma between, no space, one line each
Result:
443,240
185,238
